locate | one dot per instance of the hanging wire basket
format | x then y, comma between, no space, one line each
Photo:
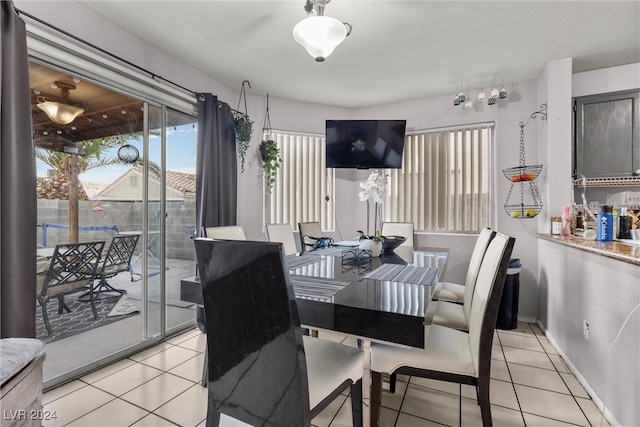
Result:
531,205
522,173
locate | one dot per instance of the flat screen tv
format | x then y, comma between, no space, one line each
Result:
365,144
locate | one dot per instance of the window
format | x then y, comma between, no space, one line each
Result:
303,191
444,180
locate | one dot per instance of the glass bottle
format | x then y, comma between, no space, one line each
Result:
566,221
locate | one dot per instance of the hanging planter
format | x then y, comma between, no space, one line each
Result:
269,153
243,127
522,176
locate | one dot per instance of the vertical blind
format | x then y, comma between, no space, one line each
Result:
443,184
303,185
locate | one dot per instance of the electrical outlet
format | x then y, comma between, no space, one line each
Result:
585,330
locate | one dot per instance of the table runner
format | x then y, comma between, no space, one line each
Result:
316,288
294,261
404,274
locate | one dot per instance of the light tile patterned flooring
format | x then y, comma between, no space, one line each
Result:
530,386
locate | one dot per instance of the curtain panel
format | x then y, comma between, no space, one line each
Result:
17,182
216,165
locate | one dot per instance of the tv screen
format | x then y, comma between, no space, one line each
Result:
364,144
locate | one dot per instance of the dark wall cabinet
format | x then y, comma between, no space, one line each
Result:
607,137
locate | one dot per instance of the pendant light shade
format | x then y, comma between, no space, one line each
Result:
60,113
320,34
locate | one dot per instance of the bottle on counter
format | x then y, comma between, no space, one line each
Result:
624,225
566,221
604,224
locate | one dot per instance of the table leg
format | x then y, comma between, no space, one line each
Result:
366,384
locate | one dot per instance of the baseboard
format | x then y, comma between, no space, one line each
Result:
594,396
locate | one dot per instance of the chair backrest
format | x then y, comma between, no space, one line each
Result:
256,360
486,301
475,261
312,229
229,232
282,233
119,254
399,229
73,266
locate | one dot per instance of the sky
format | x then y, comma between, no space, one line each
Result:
181,156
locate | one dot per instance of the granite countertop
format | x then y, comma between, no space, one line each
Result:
617,250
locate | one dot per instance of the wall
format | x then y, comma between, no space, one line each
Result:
576,286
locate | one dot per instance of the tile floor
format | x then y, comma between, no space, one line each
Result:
160,387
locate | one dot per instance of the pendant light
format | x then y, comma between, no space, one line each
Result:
62,113
320,34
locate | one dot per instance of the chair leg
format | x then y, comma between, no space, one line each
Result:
356,403
205,368
376,398
213,416
392,383
45,316
93,304
483,400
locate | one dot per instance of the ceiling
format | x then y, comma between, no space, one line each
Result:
398,50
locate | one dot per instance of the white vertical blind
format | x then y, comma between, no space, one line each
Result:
303,183
443,184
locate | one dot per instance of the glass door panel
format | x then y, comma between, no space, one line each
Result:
181,131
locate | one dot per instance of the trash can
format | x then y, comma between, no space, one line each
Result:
508,311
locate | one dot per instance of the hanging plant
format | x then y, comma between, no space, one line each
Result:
243,127
269,152
271,161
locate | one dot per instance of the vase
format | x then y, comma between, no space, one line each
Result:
372,245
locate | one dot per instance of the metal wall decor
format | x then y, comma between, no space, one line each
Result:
522,175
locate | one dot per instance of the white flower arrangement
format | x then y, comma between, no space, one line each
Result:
374,188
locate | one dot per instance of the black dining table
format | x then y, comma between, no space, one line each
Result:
375,299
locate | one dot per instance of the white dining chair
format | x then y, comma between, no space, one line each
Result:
452,314
455,292
228,232
404,229
451,355
282,233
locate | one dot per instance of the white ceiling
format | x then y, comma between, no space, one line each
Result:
398,50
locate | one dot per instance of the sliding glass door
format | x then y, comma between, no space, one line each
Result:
124,166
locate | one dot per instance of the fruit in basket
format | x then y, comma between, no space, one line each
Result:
515,214
531,213
526,176
515,178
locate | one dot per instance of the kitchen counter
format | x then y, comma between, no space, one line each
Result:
617,250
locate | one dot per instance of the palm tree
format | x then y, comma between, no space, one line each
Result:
67,167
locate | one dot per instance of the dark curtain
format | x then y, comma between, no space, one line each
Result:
17,183
216,167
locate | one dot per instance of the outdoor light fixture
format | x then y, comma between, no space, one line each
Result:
60,112
320,34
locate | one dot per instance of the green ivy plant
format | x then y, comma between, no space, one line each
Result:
243,127
272,161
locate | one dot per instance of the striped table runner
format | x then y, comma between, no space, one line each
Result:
404,274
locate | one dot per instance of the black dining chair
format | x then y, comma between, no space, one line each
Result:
73,267
262,371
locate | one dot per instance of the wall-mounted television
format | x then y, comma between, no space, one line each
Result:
365,144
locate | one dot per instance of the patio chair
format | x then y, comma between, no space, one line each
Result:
262,371
73,267
116,260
